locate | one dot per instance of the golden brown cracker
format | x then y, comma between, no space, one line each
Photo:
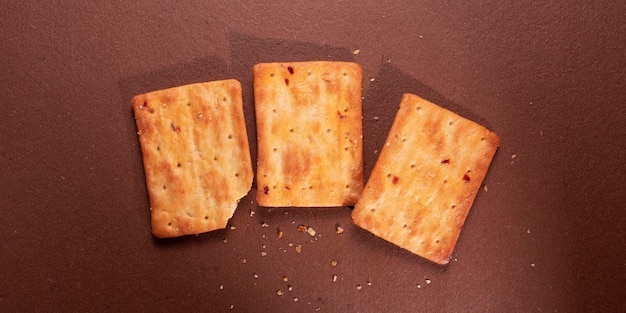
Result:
196,155
309,130
425,179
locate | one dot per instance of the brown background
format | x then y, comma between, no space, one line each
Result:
547,236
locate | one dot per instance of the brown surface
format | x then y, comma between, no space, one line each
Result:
548,78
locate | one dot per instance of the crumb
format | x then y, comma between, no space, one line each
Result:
256,276
244,261
295,299
279,293
428,281
264,224
232,227
334,278
419,286
232,306
375,151
263,253
302,228
513,156
485,187
251,213
358,287
279,233
285,279
298,248
221,287
290,244
225,240
311,231
338,229
528,231
356,51
532,264
376,118
333,263
289,288
372,79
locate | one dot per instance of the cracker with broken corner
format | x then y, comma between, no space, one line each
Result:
309,130
196,155
425,179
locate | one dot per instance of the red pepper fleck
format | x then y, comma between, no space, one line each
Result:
287,187
174,128
287,81
290,69
341,116
446,161
395,180
143,105
266,189
466,178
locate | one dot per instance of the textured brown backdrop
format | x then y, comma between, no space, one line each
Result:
547,236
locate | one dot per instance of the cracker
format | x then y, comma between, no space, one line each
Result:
309,129
425,179
196,155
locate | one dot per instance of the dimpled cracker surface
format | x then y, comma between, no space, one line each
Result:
196,155
309,129
425,179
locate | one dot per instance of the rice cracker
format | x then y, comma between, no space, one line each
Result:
425,179
196,155
309,129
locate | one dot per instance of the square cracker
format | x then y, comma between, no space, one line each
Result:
425,179
309,129
195,154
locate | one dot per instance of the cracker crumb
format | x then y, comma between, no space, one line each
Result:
513,156
295,299
528,231
263,253
419,286
311,231
225,240
232,227
232,306
298,248
264,225
333,263
338,229
369,283
376,118
485,187
358,287
252,213
244,261
279,293
302,228
221,287
356,51
428,281
372,79
289,288
255,276
334,278
279,233
532,264
285,279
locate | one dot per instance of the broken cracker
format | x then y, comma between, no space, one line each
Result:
196,155
425,179
309,131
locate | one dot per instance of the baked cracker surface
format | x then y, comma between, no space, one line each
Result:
425,179
196,155
309,133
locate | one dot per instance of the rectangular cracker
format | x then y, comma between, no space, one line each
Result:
309,129
425,179
196,155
